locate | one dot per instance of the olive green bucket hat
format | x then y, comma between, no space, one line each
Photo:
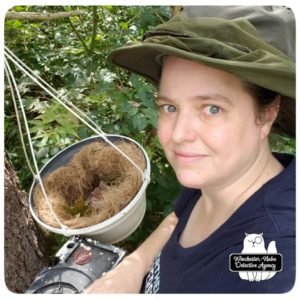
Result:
228,42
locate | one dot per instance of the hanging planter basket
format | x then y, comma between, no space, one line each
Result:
103,180
96,187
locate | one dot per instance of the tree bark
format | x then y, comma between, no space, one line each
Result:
23,244
33,16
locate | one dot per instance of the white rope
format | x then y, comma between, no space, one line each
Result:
17,117
51,88
37,176
34,77
75,111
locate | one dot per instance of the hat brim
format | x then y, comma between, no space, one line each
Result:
145,59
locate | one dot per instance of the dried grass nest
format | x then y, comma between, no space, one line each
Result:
95,185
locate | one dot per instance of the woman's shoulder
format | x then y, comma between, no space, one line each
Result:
288,161
285,181
187,199
279,195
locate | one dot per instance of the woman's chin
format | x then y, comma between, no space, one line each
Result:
189,181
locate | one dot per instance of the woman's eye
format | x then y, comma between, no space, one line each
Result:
169,108
212,109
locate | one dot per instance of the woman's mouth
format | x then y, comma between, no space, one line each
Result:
189,156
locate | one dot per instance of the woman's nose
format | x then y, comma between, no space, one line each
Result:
185,128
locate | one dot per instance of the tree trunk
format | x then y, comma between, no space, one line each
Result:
23,244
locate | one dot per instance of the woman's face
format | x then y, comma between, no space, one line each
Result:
207,124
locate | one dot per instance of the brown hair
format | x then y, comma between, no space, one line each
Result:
286,118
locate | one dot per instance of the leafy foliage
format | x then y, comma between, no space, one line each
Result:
71,55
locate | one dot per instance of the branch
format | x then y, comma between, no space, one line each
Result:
33,16
79,36
94,32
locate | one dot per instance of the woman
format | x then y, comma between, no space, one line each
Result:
221,90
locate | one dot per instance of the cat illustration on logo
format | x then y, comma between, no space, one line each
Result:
254,244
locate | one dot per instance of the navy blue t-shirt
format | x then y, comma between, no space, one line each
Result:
205,268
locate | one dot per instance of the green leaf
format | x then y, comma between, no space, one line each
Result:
42,153
49,116
57,36
123,25
139,122
146,98
132,111
43,142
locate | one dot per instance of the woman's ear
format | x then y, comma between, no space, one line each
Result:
268,116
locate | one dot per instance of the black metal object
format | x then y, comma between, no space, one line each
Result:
80,262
